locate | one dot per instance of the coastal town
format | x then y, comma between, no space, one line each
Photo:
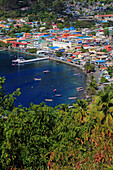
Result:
56,85
76,46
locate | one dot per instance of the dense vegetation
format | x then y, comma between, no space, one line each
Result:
17,8
13,8
41,137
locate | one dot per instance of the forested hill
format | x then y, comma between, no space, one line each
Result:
12,4
39,4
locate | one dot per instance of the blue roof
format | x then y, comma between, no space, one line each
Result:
79,42
100,61
72,28
53,47
66,29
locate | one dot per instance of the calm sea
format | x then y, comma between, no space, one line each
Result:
61,78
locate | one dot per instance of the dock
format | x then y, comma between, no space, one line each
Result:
23,61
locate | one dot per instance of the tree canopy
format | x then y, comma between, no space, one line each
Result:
42,137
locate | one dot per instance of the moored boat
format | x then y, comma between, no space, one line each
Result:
49,100
37,79
76,74
46,71
72,98
79,88
58,95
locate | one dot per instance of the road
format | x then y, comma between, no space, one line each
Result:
98,76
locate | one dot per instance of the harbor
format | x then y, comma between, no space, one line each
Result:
40,80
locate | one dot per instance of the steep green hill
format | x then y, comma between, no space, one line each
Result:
12,4
13,8
39,4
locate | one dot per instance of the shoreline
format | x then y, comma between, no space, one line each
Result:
84,94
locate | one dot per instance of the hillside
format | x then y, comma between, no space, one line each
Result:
17,8
39,4
22,8
42,137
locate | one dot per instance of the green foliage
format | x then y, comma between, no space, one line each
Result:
93,33
32,50
2,44
89,67
83,50
106,32
25,28
42,137
104,50
60,25
110,70
92,86
58,54
104,80
83,24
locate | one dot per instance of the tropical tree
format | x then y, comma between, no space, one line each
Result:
104,80
106,32
110,69
89,67
42,137
92,86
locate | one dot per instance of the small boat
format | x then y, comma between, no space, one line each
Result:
46,71
37,79
49,100
69,107
76,74
58,95
54,90
72,98
79,88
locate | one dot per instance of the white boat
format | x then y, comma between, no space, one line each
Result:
58,95
46,71
41,52
72,98
49,100
37,79
79,88
76,74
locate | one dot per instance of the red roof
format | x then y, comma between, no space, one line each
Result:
108,15
20,43
85,45
76,53
78,47
72,56
100,30
108,46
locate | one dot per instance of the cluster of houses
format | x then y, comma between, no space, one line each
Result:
76,46
87,8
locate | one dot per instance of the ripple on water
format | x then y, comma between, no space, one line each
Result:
61,78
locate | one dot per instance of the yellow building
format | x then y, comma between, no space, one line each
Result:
9,39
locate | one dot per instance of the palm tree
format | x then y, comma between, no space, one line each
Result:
105,106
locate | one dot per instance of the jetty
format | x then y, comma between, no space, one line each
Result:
23,61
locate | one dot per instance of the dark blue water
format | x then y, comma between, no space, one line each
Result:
61,78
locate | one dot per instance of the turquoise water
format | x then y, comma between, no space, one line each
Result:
61,78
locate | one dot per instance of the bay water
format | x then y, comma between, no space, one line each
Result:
61,78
